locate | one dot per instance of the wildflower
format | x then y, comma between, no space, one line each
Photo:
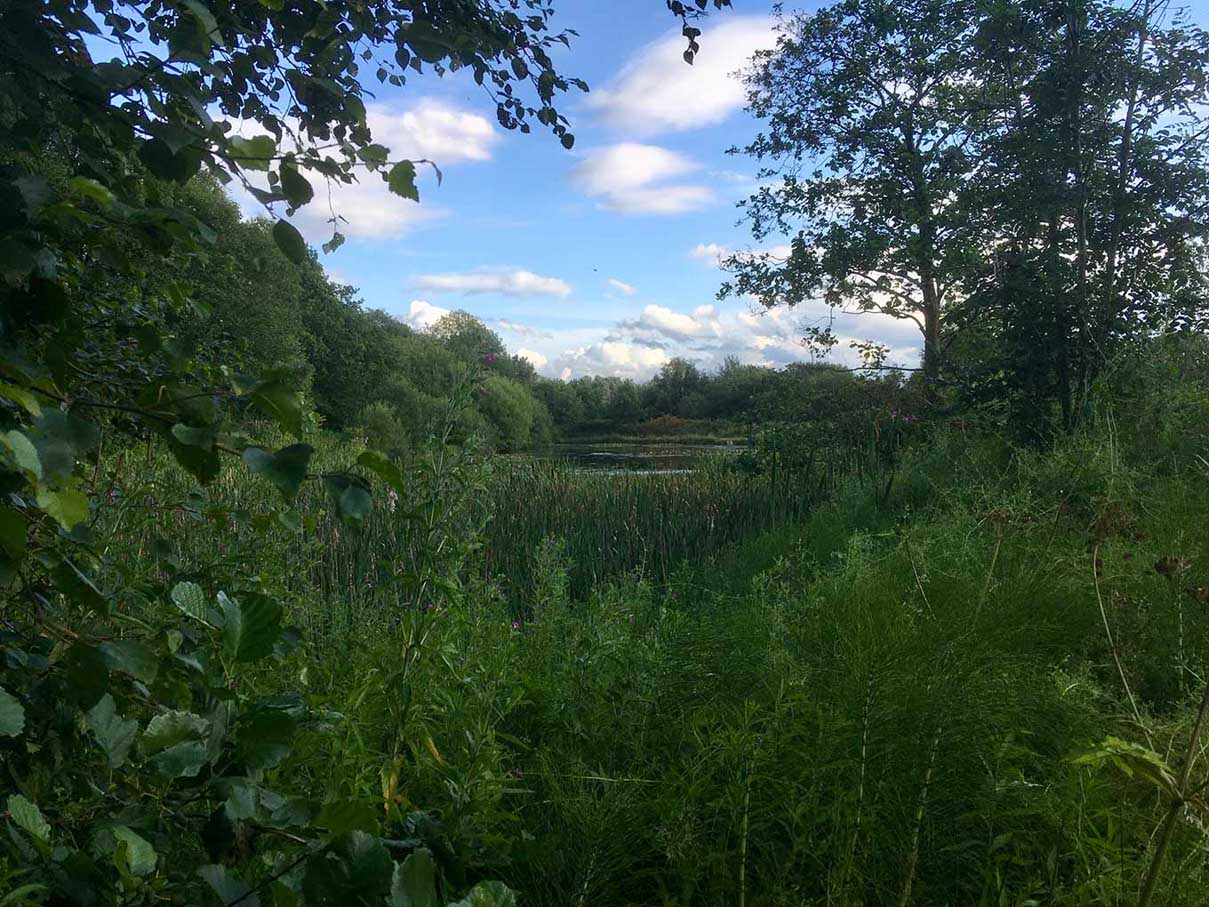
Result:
490,357
516,625
392,500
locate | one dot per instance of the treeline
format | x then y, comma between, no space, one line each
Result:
365,371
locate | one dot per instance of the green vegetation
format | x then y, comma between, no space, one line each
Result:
277,627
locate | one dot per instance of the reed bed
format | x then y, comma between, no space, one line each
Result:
610,523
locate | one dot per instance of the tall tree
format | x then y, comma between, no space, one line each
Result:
1093,198
864,150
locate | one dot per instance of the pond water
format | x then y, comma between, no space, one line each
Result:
635,457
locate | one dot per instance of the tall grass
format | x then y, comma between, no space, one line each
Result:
721,692
610,523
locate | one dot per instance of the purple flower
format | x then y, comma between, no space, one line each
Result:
516,625
490,357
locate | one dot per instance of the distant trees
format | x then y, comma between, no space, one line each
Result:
1026,181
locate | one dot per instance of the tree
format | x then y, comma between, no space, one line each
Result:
624,403
1093,200
98,245
677,379
468,338
866,147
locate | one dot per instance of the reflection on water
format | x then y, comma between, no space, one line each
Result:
637,458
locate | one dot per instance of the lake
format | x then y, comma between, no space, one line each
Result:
632,457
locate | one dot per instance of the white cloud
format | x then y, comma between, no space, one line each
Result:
708,334
536,359
525,330
369,209
422,315
621,286
712,252
506,282
715,254
433,131
676,325
656,92
612,357
640,179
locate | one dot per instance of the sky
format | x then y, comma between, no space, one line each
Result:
599,260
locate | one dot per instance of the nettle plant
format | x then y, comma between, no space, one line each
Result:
141,744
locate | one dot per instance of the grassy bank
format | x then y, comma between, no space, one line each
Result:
903,701
701,689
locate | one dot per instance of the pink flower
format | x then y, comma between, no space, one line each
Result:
490,358
516,625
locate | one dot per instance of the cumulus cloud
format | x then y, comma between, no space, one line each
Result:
621,286
612,357
536,359
641,179
655,92
659,320
422,315
504,281
432,130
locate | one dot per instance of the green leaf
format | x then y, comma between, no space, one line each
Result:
254,153
23,398
12,715
27,816
286,468
290,242
281,402
174,741
67,507
414,882
138,853
383,468
297,189
250,626
374,155
62,439
402,180
192,436
21,452
207,25
228,888
334,243
356,870
131,658
352,500
343,816
488,894
190,598
115,734
83,187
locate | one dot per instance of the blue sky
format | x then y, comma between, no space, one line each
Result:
601,260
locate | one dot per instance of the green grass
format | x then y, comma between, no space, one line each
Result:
717,694
610,523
